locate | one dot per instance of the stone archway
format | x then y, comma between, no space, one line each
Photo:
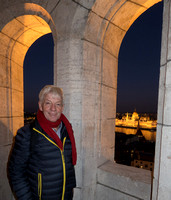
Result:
106,27
24,24
15,39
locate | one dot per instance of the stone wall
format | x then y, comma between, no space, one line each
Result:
162,171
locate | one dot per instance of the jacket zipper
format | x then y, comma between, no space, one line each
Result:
63,163
39,185
64,169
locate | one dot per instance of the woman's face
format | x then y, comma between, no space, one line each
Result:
51,107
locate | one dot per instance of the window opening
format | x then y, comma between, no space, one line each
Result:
138,78
38,72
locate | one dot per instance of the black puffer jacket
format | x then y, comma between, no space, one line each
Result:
38,169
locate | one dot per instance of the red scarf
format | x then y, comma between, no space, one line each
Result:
47,127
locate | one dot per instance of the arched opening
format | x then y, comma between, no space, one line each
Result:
18,31
16,37
106,28
137,93
38,71
109,23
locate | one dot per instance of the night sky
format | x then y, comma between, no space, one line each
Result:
138,68
38,70
139,63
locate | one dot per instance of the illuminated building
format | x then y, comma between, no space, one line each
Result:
132,120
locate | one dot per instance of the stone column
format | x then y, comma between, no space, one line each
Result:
162,171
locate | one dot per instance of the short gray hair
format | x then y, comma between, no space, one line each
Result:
50,89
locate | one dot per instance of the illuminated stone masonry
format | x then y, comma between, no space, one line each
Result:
87,36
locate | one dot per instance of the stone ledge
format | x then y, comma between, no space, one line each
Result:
127,180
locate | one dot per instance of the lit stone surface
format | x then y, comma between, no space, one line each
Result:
108,103
123,181
95,29
113,35
18,53
17,122
17,77
162,175
107,146
157,159
103,8
4,73
165,29
17,108
167,108
166,89
5,43
164,191
4,185
125,18
109,71
5,110
15,40
161,96
106,193
87,36
6,127
91,63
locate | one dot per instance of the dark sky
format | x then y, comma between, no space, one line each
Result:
139,63
138,68
38,70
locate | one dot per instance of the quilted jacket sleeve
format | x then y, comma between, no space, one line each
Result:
17,165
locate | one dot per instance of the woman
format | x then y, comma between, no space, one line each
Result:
41,165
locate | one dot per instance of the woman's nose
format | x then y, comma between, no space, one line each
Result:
53,107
